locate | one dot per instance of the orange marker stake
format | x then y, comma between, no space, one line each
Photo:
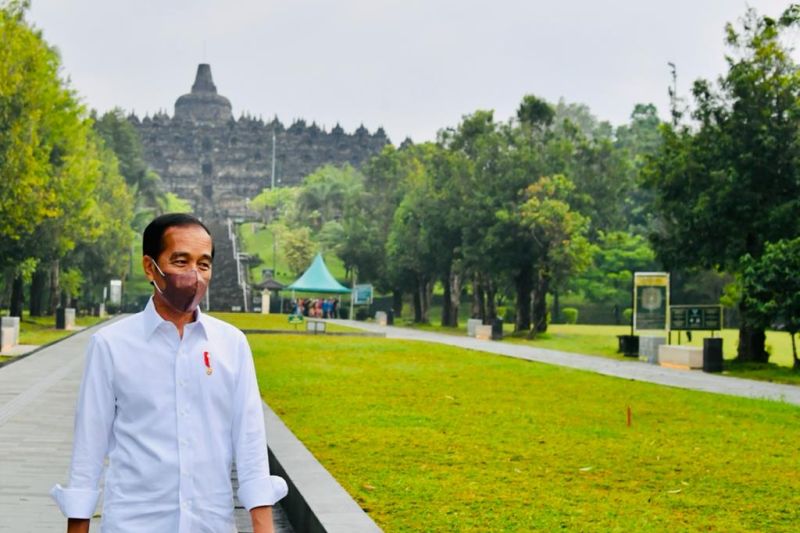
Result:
629,416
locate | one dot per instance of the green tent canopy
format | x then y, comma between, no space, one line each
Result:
318,279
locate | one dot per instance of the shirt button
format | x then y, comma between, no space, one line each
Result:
183,383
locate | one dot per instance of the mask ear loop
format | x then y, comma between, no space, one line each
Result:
152,281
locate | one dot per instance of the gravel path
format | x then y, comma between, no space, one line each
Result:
636,370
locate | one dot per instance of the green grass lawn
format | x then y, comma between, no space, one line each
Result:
258,240
602,340
273,321
42,330
435,438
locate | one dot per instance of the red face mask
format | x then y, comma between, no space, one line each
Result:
183,291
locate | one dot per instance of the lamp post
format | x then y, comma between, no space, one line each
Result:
272,174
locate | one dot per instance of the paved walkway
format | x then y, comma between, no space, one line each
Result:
636,370
37,405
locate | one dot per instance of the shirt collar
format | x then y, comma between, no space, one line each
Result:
152,320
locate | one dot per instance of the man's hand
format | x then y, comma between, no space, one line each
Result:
77,525
262,519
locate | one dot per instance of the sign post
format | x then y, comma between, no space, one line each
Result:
695,317
362,294
651,301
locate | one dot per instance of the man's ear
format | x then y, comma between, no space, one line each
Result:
149,270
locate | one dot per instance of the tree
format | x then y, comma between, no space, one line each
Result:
326,193
486,187
580,117
105,253
559,236
298,248
270,204
730,183
615,257
53,168
32,101
368,222
639,140
121,137
771,289
411,255
150,198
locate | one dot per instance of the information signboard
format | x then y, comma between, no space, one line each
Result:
362,294
695,317
651,300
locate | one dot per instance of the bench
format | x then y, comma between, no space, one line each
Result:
315,326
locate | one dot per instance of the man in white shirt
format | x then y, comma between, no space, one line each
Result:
170,396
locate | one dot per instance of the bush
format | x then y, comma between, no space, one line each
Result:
570,315
506,313
627,315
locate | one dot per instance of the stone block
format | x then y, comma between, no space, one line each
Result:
381,318
472,324
69,318
683,357
483,333
6,338
13,323
648,348
65,318
315,326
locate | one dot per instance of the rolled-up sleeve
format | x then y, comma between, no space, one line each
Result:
256,486
94,416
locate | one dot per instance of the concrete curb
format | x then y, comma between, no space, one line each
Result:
316,502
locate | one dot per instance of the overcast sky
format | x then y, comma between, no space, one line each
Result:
411,66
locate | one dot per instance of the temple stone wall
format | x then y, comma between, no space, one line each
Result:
217,162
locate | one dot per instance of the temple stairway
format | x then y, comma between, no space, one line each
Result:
225,293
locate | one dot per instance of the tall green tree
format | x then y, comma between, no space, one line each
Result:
412,256
150,196
327,193
771,289
730,182
559,236
368,223
104,253
486,188
54,171
615,257
32,104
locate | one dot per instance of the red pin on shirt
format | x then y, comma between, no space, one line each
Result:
207,362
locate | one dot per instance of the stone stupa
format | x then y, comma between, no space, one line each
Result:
203,104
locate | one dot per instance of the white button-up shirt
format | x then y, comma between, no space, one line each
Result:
171,415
